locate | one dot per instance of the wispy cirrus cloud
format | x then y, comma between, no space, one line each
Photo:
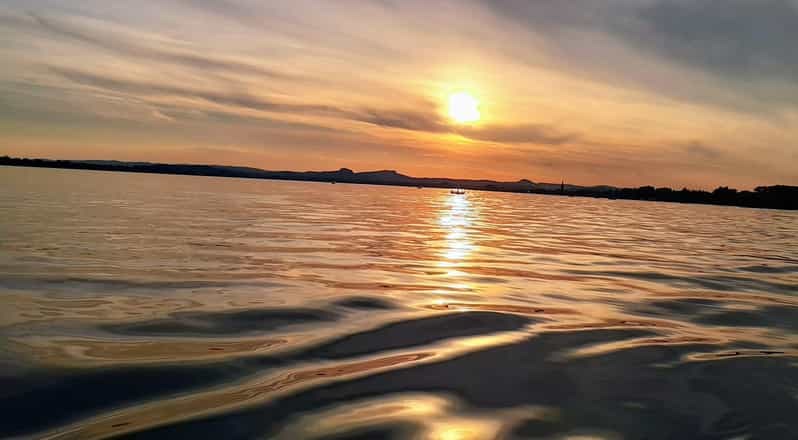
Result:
429,121
540,134
753,39
231,99
142,52
735,55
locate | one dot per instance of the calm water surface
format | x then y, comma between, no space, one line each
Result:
150,306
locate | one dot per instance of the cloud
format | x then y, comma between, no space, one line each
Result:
747,38
124,47
298,22
431,122
735,55
406,120
228,9
519,134
217,97
551,15
703,150
752,39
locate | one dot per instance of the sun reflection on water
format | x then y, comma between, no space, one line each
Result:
463,429
456,221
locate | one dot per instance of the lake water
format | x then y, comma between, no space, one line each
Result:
154,306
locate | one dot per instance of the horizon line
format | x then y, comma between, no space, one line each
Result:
533,182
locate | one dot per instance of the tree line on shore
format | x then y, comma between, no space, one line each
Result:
776,196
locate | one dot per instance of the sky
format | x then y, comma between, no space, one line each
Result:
695,93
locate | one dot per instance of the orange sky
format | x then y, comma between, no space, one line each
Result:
623,92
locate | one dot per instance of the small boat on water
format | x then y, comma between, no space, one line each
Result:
457,191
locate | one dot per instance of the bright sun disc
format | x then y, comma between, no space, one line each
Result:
463,108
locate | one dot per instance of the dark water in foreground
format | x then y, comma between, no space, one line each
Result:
152,306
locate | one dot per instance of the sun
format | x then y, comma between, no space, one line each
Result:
463,108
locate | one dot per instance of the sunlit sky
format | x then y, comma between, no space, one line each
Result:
693,93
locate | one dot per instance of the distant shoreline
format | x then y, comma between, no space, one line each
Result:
773,197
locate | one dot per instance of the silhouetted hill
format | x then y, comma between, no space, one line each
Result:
778,196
